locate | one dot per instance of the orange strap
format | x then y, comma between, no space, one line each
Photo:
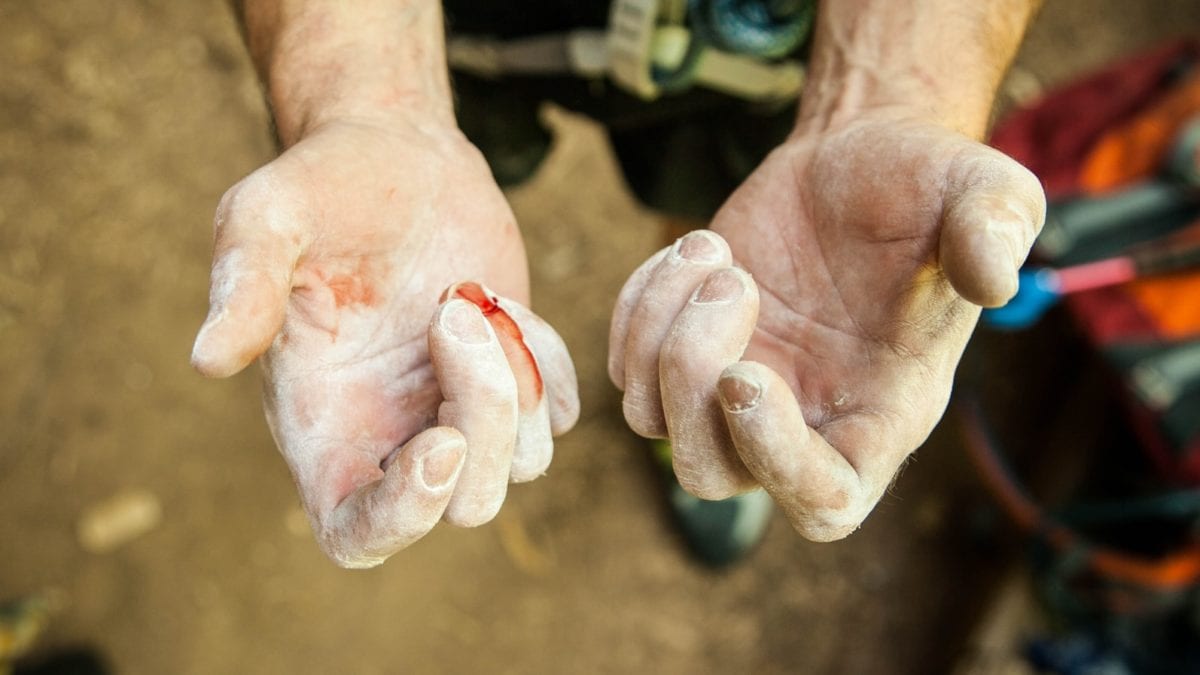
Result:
1135,150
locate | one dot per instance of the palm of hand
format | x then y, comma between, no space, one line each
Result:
333,260
841,236
352,361
869,248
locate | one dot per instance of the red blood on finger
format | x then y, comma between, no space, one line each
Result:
512,340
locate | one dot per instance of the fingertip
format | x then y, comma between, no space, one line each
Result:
564,411
523,474
530,465
210,357
994,211
215,370
534,448
711,487
824,532
247,307
981,263
644,413
472,512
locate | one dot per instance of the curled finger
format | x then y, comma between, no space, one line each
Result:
627,301
388,514
480,400
671,284
554,361
534,446
824,495
710,333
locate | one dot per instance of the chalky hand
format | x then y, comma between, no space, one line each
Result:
807,343
399,389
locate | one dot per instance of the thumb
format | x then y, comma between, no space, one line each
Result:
993,210
255,252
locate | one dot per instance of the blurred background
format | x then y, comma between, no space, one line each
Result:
146,516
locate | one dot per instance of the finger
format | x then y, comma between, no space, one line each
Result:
554,361
387,515
534,445
627,299
667,291
710,333
256,250
480,401
994,210
824,495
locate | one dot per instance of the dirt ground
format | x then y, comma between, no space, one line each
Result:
121,123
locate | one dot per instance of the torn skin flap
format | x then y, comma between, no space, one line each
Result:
512,340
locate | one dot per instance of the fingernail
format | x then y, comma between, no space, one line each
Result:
738,394
699,246
462,320
721,287
440,465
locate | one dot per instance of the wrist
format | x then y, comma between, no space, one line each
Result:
370,60
939,61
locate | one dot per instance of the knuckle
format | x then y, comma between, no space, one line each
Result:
245,195
262,199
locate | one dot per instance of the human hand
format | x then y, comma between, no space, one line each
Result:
871,246
331,260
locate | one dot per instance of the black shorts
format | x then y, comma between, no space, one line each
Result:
681,154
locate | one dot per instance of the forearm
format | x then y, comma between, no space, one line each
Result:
323,60
940,59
